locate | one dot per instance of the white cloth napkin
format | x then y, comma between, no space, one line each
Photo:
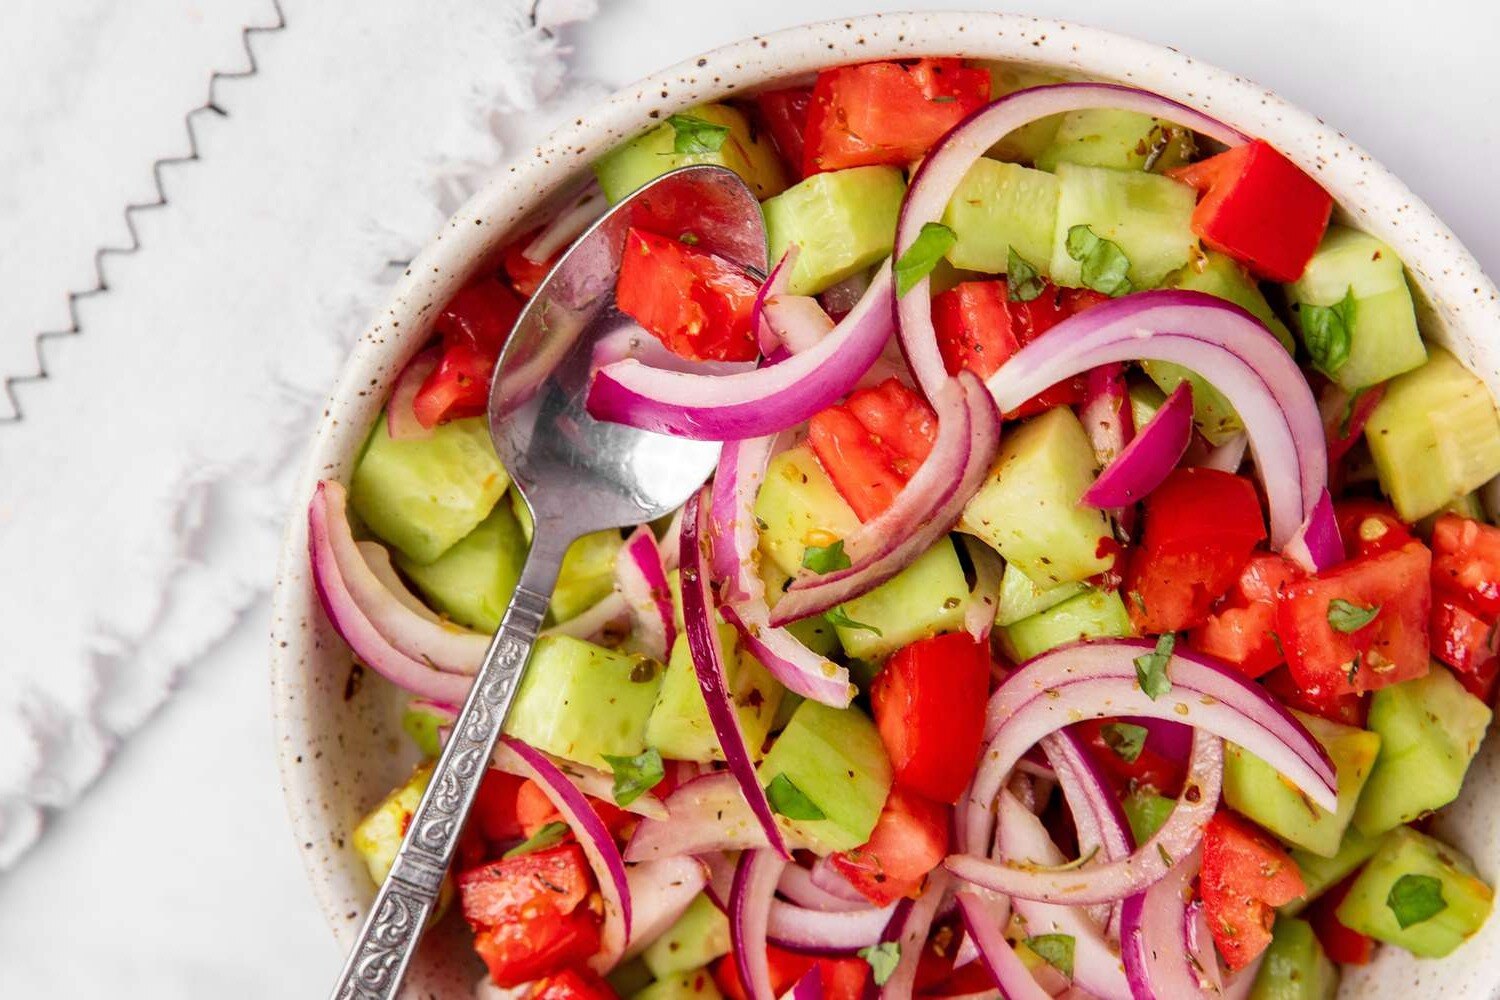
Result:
142,498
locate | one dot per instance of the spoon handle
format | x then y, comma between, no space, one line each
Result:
377,962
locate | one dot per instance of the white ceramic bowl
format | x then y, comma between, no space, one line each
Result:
340,750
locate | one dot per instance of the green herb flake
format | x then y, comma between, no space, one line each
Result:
883,959
923,255
548,836
1327,332
1022,281
1415,898
839,618
634,776
1103,265
1151,668
694,136
825,558
1347,617
790,801
1126,739
1166,856
1054,949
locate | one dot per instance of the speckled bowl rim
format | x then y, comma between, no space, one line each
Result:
1459,303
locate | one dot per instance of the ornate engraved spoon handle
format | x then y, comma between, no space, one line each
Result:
377,963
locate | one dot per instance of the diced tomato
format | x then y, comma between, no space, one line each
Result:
1242,630
495,814
887,112
972,320
1245,876
529,913
1345,946
573,984
786,968
1459,637
783,114
1369,527
843,978
972,979
473,326
872,443
534,811
1484,682
1200,527
525,274
910,839
1151,767
1391,648
1259,208
929,705
1350,709
1466,563
697,304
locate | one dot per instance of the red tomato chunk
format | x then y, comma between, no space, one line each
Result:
533,915
1245,876
929,704
473,327
697,304
1242,630
872,443
572,984
909,840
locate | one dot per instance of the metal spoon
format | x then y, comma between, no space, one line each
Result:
577,475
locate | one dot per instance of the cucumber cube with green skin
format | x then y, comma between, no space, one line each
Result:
1466,899
378,836
679,726
925,598
1146,398
799,506
698,937
1146,812
1319,874
472,582
580,701
1029,509
1026,143
587,575
842,222
1093,614
424,729
1254,789
696,984
423,494
1212,412
1020,598
1295,966
1434,436
1147,216
745,150
1383,337
1430,729
1123,140
835,758
999,207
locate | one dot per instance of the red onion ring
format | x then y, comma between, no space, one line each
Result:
705,815
809,987
379,560
631,341
400,417
611,611
1229,456
1149,457
802,887
567,226
984,599
1096,809
750,898
798,321
911,930
776,283
588,780
641,578
830,880
659,893
800,928
1198,942
1317,544
1007,969
1105,413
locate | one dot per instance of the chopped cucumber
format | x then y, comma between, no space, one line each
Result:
581,701
698,937
836,759
1212,412
1319,874
1295,966
1146,812
1145,399
1028,508
842,222
815,633
423,495
679,726
626,979
1469,505
925,598
1093,614
999,207
522,512
1124,140
646,157
696,984
587,575
1383,336
1430,729
378,836
1255,789
1020,598
1148,217
1026,143
1434,436
423,728
472,582
1466,900
798,506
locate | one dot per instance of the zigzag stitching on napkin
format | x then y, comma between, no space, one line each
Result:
101,284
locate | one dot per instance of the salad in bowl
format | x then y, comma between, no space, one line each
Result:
1095,595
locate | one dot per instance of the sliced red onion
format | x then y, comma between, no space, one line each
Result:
641,578
1198,942
830,880
776,283
598,846
1007,969
926,508
1096,809
802,887
839,298
912,924
1149,457
400,416
1249,366
946,164
379,560
611,612
798,322
1229,456
567,226
1345,415
706,814
800,928
1317,544
1165,958
588,780
750,899
809,987
754,403
984,599
720,877
1105,412
659,893
631,341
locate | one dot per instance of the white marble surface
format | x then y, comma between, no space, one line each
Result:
175,876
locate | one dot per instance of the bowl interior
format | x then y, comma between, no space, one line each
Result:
340,746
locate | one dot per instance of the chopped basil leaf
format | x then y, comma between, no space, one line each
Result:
1166,856
636,775
1125,739
1151,668
1346,616
1022,281
548,836
1415,898
694,135
840,618
1054,949
883,959
825,558
1104,266
788,800
1326,330
922,256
